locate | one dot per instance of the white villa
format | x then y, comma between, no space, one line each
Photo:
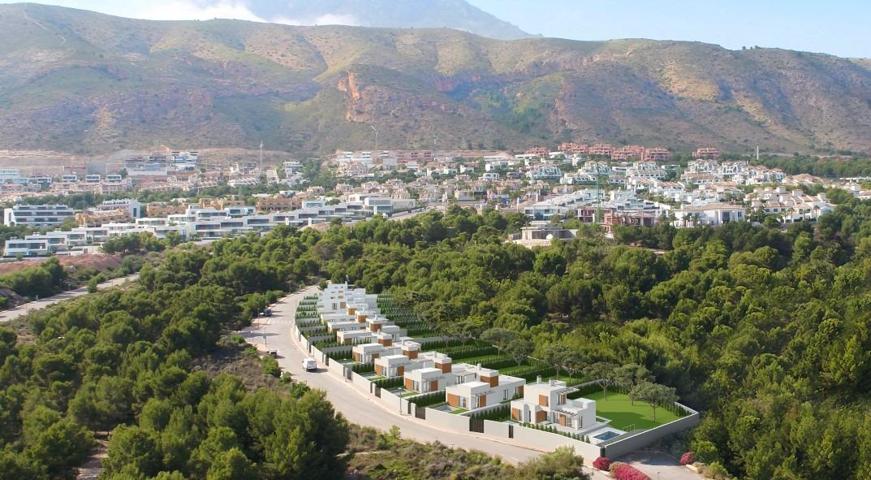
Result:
478,387
548,402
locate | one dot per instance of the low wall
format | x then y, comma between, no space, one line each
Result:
547,441
496,429
392,401
640,440
447,420
297,334
336,368
361,383
320,356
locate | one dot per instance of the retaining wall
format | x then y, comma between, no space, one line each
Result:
645,438
541,440
447,420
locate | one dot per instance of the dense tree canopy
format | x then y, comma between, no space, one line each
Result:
766,330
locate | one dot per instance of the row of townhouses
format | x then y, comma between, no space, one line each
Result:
195,223
356,319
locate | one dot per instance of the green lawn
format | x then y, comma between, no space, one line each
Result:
623,415
572,380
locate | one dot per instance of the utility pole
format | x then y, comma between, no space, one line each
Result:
261,157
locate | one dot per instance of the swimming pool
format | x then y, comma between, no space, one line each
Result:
606,435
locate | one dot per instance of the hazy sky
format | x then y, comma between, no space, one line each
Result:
840,27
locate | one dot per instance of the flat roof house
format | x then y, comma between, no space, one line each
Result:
478,387
548,402
394,365
367,352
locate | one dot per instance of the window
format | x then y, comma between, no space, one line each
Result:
504,394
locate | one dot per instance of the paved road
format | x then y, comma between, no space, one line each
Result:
353,404
274,333
24,309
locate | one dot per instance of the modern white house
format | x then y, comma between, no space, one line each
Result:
548,402
478,387
708,214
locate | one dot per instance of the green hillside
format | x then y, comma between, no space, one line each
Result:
82,82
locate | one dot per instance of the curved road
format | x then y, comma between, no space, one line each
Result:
352,403
274,333
25,308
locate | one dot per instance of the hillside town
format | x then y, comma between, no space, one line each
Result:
571,185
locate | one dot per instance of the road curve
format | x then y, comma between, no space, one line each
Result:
274,333
25,308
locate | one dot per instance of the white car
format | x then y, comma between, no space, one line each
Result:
309,364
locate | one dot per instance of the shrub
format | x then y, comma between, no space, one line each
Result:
624,471
602,463
270,366
688,458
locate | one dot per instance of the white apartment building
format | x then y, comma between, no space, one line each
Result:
196,222
37,216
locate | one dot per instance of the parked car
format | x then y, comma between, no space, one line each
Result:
309,364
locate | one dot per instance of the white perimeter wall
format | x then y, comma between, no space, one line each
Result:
447,420
541,440
645,438
361,383
336,368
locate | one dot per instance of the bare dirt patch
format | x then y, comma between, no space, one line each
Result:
99,262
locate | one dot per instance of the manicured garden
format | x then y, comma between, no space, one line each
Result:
625,415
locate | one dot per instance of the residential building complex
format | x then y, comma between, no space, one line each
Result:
37,216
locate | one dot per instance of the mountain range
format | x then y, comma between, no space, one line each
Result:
82,82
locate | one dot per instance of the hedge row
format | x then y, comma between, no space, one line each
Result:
392,382
428,399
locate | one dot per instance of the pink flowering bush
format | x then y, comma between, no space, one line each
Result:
624,471
688,458
602,463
